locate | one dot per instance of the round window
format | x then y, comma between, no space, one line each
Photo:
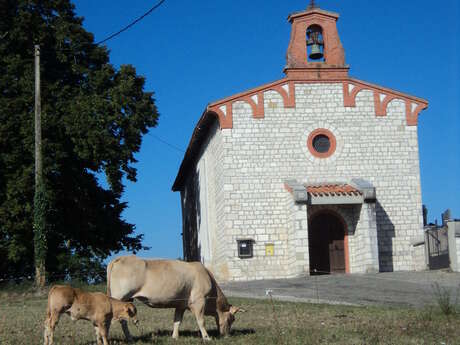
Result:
321,143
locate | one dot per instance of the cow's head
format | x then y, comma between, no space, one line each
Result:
225,322
129,311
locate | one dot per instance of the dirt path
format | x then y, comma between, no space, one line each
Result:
393,288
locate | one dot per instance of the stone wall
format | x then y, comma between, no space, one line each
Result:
253,159
203,194
454,244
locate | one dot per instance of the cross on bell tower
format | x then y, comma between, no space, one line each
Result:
312,5
315,50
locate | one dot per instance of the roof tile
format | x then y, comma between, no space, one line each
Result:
332,190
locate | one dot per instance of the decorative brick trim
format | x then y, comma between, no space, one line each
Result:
349,98
381,106
351,87
258,110
327,133
225,119
318,72
288,98
412,116
382,97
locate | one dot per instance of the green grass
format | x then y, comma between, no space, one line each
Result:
22,315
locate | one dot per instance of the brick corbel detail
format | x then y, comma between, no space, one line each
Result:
288,98
286,89
258,110
380,104
225,119
412,115
349,98
381,100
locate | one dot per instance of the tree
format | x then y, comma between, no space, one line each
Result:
93,119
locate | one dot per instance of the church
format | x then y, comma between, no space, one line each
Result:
315,173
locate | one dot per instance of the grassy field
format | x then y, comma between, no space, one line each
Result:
22,315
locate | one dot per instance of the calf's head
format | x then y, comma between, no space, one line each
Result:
228,317
127,312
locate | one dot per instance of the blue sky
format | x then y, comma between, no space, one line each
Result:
195,52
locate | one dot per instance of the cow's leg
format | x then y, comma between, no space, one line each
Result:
47,330
124,327
216,317
124,324
197,309
50,324
98,335
46,333
104,332
178,315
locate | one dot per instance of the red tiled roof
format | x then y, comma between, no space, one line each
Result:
332,190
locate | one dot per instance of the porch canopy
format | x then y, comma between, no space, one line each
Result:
355,191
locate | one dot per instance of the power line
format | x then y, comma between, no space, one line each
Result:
166,143
132,23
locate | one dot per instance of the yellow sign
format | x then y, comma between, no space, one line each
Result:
269,249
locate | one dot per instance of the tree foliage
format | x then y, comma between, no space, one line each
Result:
93,119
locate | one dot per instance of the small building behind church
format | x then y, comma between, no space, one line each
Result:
317,172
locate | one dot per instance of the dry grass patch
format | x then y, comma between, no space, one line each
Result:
21,322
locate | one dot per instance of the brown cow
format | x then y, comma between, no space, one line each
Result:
92,306
171,284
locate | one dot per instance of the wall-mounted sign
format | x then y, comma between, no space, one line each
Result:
269,249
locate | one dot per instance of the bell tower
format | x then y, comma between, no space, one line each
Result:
315,50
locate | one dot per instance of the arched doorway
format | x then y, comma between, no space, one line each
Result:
327,244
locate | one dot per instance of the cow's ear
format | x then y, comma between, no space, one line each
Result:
130,309
234,310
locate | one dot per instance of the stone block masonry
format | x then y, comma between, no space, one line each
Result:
252,160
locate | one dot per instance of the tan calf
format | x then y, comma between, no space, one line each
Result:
96,307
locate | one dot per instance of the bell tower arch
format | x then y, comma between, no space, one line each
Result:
315,50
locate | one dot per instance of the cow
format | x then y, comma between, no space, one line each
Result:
96,307
171,284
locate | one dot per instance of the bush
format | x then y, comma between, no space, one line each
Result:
446,302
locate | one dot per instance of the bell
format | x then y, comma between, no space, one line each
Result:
315,53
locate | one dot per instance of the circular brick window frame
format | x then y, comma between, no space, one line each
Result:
327,133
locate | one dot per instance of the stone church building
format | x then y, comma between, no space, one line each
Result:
317,172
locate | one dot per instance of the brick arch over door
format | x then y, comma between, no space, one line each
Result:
334,218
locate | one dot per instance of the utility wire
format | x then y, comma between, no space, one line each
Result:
132,23
166,143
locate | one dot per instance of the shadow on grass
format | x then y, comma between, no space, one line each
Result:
147,337
213,333
144,338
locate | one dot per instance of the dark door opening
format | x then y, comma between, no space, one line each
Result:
326,238
438,248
